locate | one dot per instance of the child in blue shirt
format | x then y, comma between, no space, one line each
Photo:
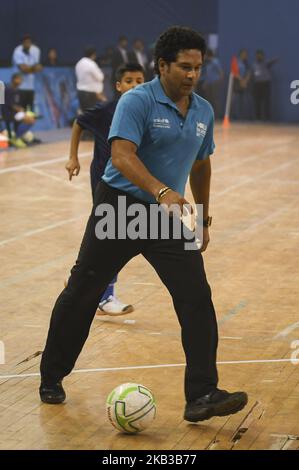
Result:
97,120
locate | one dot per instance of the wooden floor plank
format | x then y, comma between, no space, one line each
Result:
252,266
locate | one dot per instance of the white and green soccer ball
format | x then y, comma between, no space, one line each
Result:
131,407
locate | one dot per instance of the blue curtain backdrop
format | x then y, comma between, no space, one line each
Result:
56,95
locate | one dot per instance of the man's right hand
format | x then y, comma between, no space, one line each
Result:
172,198
37,67
73,167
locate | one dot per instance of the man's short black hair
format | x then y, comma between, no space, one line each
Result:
15,75
174,40
89,51
26,36
130,67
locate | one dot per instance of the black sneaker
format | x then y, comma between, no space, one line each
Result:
216,403
52,394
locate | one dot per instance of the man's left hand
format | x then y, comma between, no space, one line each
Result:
205,239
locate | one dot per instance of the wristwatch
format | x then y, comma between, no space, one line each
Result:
207,222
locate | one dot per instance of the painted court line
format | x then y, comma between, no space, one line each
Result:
40,230
231,337
253,179
243,160
287,331
63,181
54,263
159,366
27,234
29,166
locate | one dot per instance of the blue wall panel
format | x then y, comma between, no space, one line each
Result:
55,98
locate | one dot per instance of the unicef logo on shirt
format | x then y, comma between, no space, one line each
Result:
201,129
162,123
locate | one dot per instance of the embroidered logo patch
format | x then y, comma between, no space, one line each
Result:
201,129
162,123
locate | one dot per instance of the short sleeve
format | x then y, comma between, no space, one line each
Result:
208,145
37,54
129,118
97,72
90,119
18,57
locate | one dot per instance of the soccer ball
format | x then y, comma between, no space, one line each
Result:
131,408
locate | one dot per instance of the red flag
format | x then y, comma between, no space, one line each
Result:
235,67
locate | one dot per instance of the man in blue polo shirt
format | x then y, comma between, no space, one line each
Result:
161,133
168,142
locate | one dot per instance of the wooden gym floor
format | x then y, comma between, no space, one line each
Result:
252,266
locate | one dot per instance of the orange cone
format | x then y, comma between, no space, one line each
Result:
3,141
234,72
226,122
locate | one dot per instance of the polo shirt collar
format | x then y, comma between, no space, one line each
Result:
161,97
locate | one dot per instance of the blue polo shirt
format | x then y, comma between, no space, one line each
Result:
167,143
31,57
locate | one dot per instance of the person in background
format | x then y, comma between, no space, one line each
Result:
26,59
97,121
52,58
18,122
241,97
151,65
120,56
212,78
90,80
139,56
106,58
261,75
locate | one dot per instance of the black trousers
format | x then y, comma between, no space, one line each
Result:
27,99
211,93
87,99
262,100
98,262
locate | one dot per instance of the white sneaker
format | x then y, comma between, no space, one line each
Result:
112,306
